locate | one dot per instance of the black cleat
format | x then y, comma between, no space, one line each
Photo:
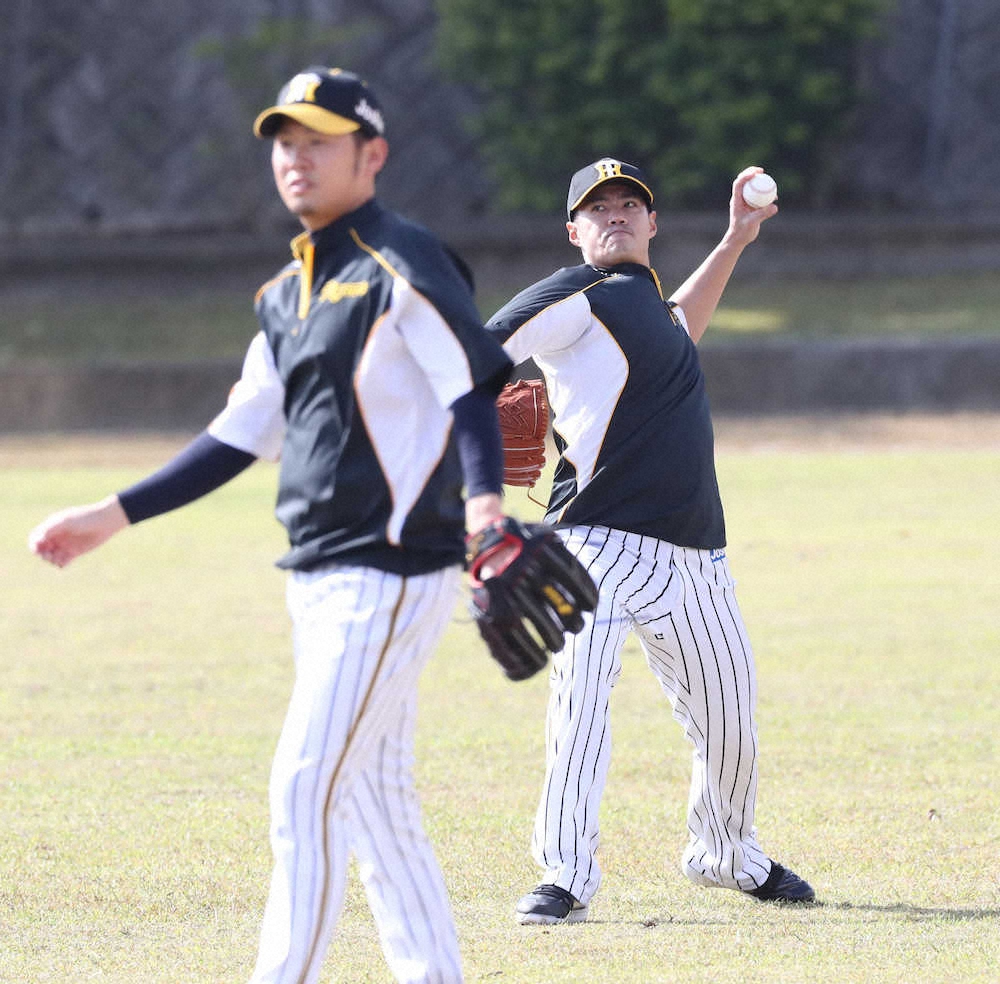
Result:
783,885
547,905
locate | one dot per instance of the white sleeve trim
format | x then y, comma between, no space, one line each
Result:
432,343
681,317
554,329
254,417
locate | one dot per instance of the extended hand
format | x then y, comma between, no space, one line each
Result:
71,532
744,220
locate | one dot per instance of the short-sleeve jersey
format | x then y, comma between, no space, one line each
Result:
631,416
367,338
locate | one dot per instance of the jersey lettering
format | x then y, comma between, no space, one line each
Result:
334,290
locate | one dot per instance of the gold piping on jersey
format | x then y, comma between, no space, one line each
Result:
670,304
298,245
393,272
335,775
604,435
375,254
267,285
306,253
360,409
562,300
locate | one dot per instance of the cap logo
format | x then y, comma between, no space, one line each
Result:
370,115
303,88
608,168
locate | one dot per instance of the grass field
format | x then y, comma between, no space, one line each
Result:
143,687
171,322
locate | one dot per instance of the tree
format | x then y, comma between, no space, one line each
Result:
694,90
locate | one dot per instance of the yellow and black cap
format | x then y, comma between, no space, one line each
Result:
606,169
328,100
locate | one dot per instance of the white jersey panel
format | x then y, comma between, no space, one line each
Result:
431,342
254,418
583,422
402,410
555,327
574,350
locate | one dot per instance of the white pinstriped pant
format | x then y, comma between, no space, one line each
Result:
342,777
682,605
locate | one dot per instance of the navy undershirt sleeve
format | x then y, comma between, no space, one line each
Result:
477,436
198,469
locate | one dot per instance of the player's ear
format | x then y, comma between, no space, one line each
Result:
652,223
574,236
375,153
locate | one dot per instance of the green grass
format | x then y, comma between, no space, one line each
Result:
929,307
143,687
94,325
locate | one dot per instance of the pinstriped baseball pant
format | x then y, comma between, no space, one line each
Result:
342,778
681,604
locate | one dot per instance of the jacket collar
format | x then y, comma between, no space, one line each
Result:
631,270
337,232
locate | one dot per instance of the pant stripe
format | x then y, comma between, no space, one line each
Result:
561,670
681,603
314,949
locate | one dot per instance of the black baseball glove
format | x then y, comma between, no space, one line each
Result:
523,611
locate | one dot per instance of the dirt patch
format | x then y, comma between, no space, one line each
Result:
859,432
85,450
829,432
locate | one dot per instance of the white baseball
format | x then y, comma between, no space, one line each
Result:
760,190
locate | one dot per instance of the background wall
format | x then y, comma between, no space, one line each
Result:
120,117
127,163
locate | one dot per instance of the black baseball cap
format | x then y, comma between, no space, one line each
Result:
606,169
328,100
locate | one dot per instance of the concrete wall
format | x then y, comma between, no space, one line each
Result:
864,375
510,252
113,397
745,379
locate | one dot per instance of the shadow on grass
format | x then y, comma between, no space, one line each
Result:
917,912
912,913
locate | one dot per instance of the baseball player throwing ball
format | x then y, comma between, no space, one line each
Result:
636,499
374,382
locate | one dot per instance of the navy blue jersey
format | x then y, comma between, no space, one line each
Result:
630,413
370,335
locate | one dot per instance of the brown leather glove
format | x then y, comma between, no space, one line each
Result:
523,409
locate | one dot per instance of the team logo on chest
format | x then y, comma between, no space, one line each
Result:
335,290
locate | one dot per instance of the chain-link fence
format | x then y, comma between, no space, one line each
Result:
929,136
124,116
130,116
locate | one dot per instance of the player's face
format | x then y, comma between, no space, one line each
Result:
322,177
613,225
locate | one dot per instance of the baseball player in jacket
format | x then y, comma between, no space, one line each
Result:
637,501
373,381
